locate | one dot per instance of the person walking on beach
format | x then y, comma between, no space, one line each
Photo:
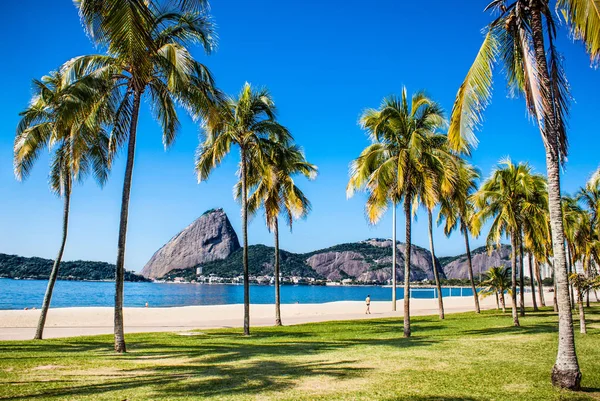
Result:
368,302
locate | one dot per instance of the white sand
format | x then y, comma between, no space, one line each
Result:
69,322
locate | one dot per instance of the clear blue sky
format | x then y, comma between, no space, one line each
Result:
324,61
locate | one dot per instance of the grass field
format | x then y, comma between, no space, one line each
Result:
465,357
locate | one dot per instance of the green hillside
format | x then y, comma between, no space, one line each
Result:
12,266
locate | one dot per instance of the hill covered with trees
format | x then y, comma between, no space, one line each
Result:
13,266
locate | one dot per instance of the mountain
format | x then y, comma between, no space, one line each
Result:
12,266
457,266
368,261
211,237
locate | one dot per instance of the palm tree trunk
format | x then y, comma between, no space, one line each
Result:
120,265
245,235
570,263
276,273
436,274
521,276
565,372
535,307
503,302
582,326
407,215
394,258
470,264
497,300
513,264
538,278
54,273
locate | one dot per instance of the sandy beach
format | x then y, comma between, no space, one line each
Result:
70,322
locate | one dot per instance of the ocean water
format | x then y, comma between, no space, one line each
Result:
20,294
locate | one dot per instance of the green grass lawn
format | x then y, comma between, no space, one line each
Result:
465,357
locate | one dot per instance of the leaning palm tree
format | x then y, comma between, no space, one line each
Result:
522,39
457,210
66,118
505,197
276,191
247,121
497,282
398,165
147,58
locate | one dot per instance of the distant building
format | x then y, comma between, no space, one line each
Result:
198,270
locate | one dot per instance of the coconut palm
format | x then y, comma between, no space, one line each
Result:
445,181
148,59
399,165
457,210
247,121
582,286
276,191
505,197
522,39
496,281
572,215
66,118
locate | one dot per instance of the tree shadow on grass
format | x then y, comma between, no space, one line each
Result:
215,363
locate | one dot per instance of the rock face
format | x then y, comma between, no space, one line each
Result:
458,267
371,261
211,237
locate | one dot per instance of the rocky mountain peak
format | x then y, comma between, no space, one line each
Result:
210,237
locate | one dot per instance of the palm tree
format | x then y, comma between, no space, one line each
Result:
247,121
64,117
572,216
276,191
582,286
496,281
505,197
146,45
399,165
457,210
589,195
445,180
522,38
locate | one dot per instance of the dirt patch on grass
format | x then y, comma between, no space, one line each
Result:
48,367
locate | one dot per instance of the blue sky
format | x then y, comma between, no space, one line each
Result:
324,62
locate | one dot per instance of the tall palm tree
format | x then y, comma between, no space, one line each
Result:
66,118
497,282
147,55
572,216
457,210
505,197
522,38
445,180
274,189
399,165
247,121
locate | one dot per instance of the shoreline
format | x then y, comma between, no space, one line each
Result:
83,321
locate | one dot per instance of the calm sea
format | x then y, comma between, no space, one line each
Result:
19,294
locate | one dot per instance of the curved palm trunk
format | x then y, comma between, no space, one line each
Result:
565,372
120,265
276,273
570,264
245,235
54,273
407,215
521,276
470,264
436,274
513,275
538,278
497,300
394,258
535,307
